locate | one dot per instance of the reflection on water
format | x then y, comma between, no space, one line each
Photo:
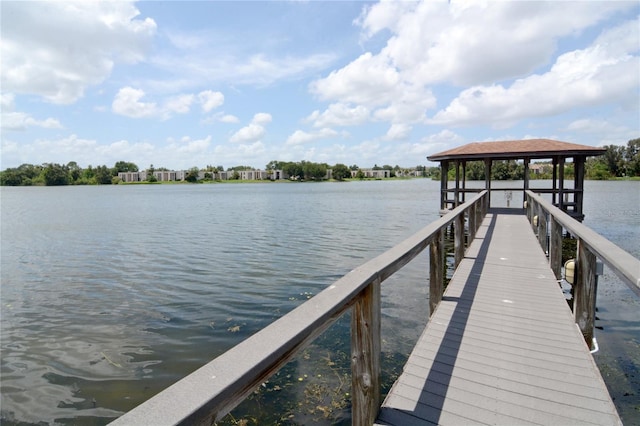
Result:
110,294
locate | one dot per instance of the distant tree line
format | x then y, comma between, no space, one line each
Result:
51,174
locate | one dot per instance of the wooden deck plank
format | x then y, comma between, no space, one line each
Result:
502,346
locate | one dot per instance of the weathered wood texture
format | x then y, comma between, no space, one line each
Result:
502,346
584,292
365,355
555,247
622,263
436,270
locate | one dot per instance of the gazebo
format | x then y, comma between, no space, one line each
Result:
567,199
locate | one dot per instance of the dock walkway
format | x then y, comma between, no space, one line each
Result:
502,347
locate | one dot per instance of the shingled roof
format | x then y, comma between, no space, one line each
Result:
518,149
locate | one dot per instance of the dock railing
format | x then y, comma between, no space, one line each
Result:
212,391
591,246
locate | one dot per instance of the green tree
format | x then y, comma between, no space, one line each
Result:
150,176
613,158
75,172
55,174
632,157
103,175
123,167
596,169
341,172
475,170
314,171
192,175
294,170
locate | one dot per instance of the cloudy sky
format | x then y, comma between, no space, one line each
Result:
183,84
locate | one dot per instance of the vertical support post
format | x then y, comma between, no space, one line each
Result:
365,355
458,244
554,185
584,292
578,186
472,216
561,205
444,171
526,179
542,228
436,269
481,210
487,179
555,247
464,181
457,190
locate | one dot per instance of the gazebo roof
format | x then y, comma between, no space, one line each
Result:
518,149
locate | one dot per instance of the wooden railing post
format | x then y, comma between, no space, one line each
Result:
542,228
436,267
585,289
458,244
555,247
471,215
365,356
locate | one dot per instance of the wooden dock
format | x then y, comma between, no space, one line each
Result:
502,347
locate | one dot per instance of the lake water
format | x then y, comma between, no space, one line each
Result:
111,293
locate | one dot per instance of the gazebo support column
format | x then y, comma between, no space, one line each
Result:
526,178
457,191
554,178
464,181
487,178
561,205
578,195
444,172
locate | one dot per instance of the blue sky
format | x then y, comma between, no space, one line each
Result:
184,84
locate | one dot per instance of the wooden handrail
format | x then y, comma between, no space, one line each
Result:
209,393
591,246
621,262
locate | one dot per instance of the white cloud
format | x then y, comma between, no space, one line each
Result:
210,100
14,120
604,72
222,118
189,147
398,132
217,62
180,104
301,137
262,118
339,114
57,49
600,131
7,101
369,80
477,44
228,118
254,131
468,43
127,102
21,120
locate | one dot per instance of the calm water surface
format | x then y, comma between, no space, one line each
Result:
111,293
